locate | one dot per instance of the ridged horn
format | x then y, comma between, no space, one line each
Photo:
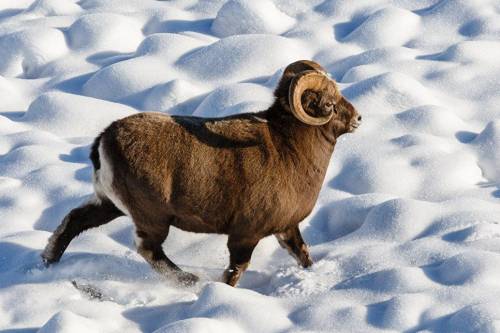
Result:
308,80
302,65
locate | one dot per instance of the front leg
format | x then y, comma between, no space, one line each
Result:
240,252
292,241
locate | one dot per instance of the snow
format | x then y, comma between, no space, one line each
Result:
242,57
237,17
106,32
235,98
25,52
66,321
488,148
406,232
375,32
52,111
53,8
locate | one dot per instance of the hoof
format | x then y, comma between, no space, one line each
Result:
49,257
306,262
231,277
47,261
187,279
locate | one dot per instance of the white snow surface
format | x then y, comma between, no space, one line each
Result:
406,232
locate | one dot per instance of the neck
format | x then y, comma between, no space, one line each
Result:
306,146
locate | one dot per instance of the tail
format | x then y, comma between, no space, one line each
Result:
94,153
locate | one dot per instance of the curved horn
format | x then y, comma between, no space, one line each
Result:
291,71
301,66
312,80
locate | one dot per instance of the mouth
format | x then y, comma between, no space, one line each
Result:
353,126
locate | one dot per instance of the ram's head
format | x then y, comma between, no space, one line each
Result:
314,98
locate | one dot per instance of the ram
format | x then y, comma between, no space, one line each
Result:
248,176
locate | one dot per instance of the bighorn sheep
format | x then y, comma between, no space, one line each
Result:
248,175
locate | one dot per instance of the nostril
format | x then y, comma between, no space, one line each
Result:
359,118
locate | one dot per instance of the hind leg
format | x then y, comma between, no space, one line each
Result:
90,215
149,246
291,240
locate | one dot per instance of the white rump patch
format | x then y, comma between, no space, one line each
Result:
103,182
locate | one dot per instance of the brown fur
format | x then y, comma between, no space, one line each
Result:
248,175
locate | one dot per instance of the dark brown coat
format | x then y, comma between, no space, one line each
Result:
248,175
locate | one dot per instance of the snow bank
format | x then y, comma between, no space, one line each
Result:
105,32
394,220
126,78
234,304
431,119
390,91
54,111
244,57
406,233
25,52
238,17
390,26
236,98
467,268
168,46
488,146
165,96
472,51
53,8
66,321
200,325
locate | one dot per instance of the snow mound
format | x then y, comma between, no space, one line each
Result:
205,325
395,280
236,98
26,52
367,174
385,55
469,267
169,46
169,95
126,79
431,119
33,157
232,305
242,57
66,321
53,111
472,51
390,26
53,8
390,91
476,232
475,318
488,146
105,32
10,99
349,214
403,311
481,27
445,175
238,17
396,220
